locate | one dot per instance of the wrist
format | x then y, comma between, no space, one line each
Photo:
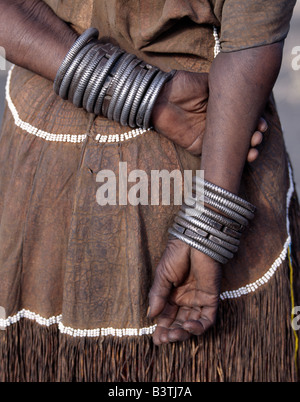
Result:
216,234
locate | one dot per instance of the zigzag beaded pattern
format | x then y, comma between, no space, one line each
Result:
47,322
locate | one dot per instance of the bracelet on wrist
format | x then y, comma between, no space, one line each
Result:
104,79
215,232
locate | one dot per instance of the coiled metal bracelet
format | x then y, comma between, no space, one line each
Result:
216,234
104,79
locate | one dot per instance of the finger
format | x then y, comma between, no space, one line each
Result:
195,314
256,139
164,322
159,293
160,335
168,316
176,332
197,327
262,125
183,314
252,155
169,325
170,271
201,325
167,335
178,335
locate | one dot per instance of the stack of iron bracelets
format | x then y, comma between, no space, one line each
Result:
105,80
216,234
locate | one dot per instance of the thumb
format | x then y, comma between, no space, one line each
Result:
160,291
169,273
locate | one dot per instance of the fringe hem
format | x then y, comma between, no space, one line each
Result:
253,341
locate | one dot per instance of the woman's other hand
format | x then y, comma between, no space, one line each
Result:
180,113
185,293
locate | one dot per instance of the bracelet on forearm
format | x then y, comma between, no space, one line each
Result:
104,79
216,234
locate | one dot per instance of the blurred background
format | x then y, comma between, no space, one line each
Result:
287,94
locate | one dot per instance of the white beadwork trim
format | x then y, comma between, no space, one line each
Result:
217,47
47,322
251,287
106,331
120,137
101,138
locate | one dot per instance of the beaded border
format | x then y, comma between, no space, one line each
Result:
217,47
70,138
119,332
47,322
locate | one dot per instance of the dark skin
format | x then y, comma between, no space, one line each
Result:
178,112
207,114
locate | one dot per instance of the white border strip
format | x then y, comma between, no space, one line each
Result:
252,287
47,322
217,47
101,138
106,331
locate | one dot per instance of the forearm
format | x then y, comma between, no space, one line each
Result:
240,84
33,36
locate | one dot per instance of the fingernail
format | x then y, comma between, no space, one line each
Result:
148,312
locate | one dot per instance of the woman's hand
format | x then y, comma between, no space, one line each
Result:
180,110
185,293
180,113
